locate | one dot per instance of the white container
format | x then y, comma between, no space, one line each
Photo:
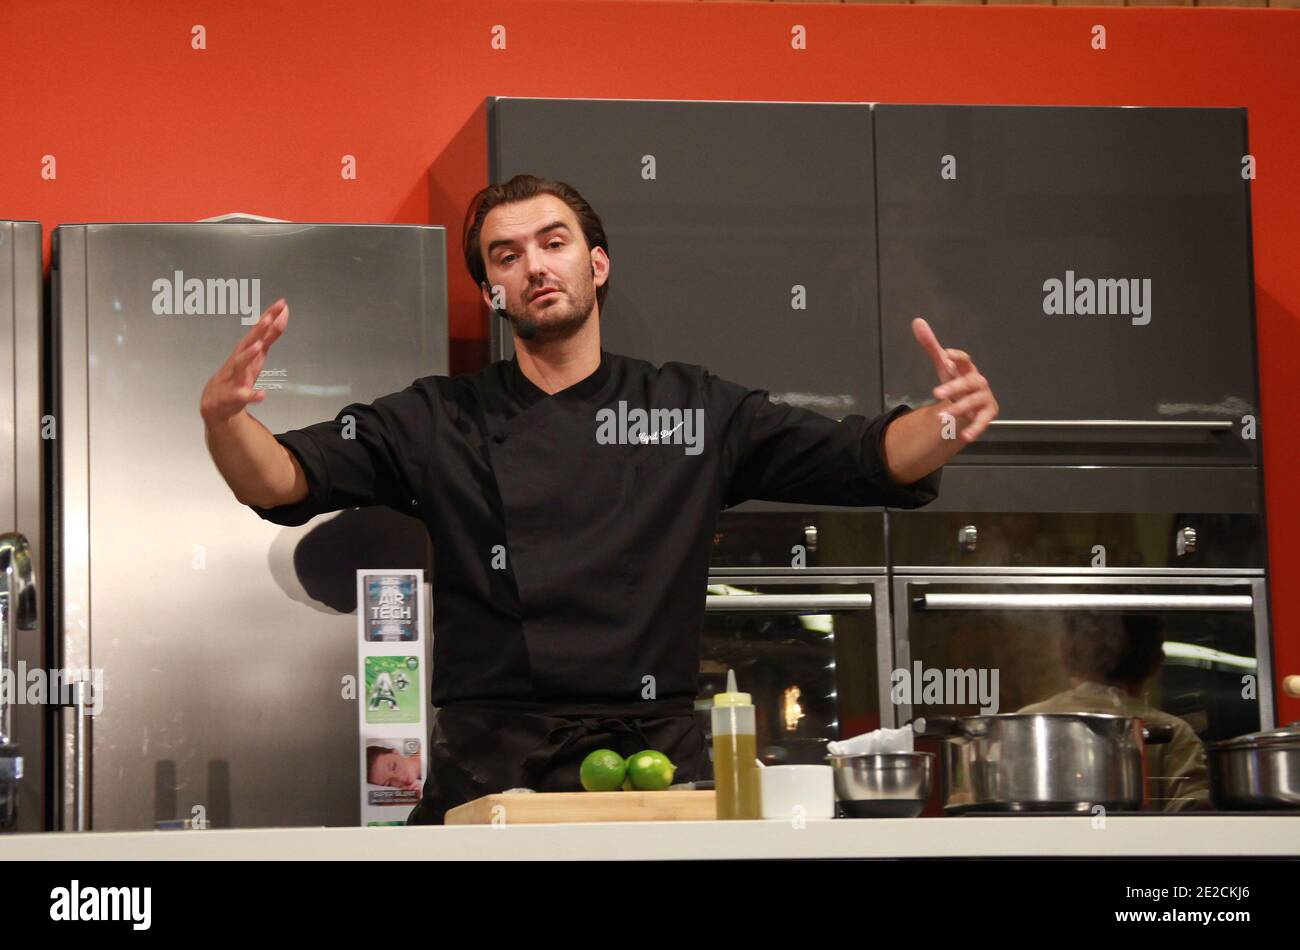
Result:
797,791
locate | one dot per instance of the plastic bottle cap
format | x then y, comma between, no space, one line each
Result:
731,697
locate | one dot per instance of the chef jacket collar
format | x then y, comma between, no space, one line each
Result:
528,393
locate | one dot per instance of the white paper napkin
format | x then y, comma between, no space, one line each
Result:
875,742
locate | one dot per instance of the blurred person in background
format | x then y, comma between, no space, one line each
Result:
1109,658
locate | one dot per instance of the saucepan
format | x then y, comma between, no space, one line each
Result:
1257,771
1043,762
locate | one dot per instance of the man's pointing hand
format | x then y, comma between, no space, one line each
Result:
959,381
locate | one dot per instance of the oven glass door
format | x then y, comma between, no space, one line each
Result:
1195,648
810,651
1186,654
1043,634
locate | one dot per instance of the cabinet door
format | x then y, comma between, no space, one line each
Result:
993,219
741,237
741,234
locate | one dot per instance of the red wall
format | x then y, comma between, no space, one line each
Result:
145,128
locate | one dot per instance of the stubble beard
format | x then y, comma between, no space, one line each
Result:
557,321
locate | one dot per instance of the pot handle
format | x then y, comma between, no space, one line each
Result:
938,727
1158,734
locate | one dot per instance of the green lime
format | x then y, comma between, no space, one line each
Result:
627,785
650,771
603,771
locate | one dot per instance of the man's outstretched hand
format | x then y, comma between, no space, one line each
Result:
231,387
959,381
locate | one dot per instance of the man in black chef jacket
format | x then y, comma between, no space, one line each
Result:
571,495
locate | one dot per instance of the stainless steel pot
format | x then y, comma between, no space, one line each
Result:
1022,762
1260,770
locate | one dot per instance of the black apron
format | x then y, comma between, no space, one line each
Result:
480,748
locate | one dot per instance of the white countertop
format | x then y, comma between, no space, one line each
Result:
1027,836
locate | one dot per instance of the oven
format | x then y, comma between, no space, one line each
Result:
1159,615
1036,596
813,650
798,606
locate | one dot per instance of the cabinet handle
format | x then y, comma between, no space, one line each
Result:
1214,424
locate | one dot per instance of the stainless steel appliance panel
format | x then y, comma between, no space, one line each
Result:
223,639
1180,541
22,485
799,539
1098,486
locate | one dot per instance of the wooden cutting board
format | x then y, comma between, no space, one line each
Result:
523,808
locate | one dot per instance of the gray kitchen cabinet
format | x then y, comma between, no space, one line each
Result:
1140,215
741,238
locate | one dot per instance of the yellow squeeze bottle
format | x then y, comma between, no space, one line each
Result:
735,751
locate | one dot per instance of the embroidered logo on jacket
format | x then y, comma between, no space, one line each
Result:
626,426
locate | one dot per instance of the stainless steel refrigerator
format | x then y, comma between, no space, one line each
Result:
23,726
223,641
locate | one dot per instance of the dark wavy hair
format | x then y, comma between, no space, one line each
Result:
1115,649
521,188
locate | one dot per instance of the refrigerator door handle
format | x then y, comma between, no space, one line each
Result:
82,703
1083,602
79,696
787,602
